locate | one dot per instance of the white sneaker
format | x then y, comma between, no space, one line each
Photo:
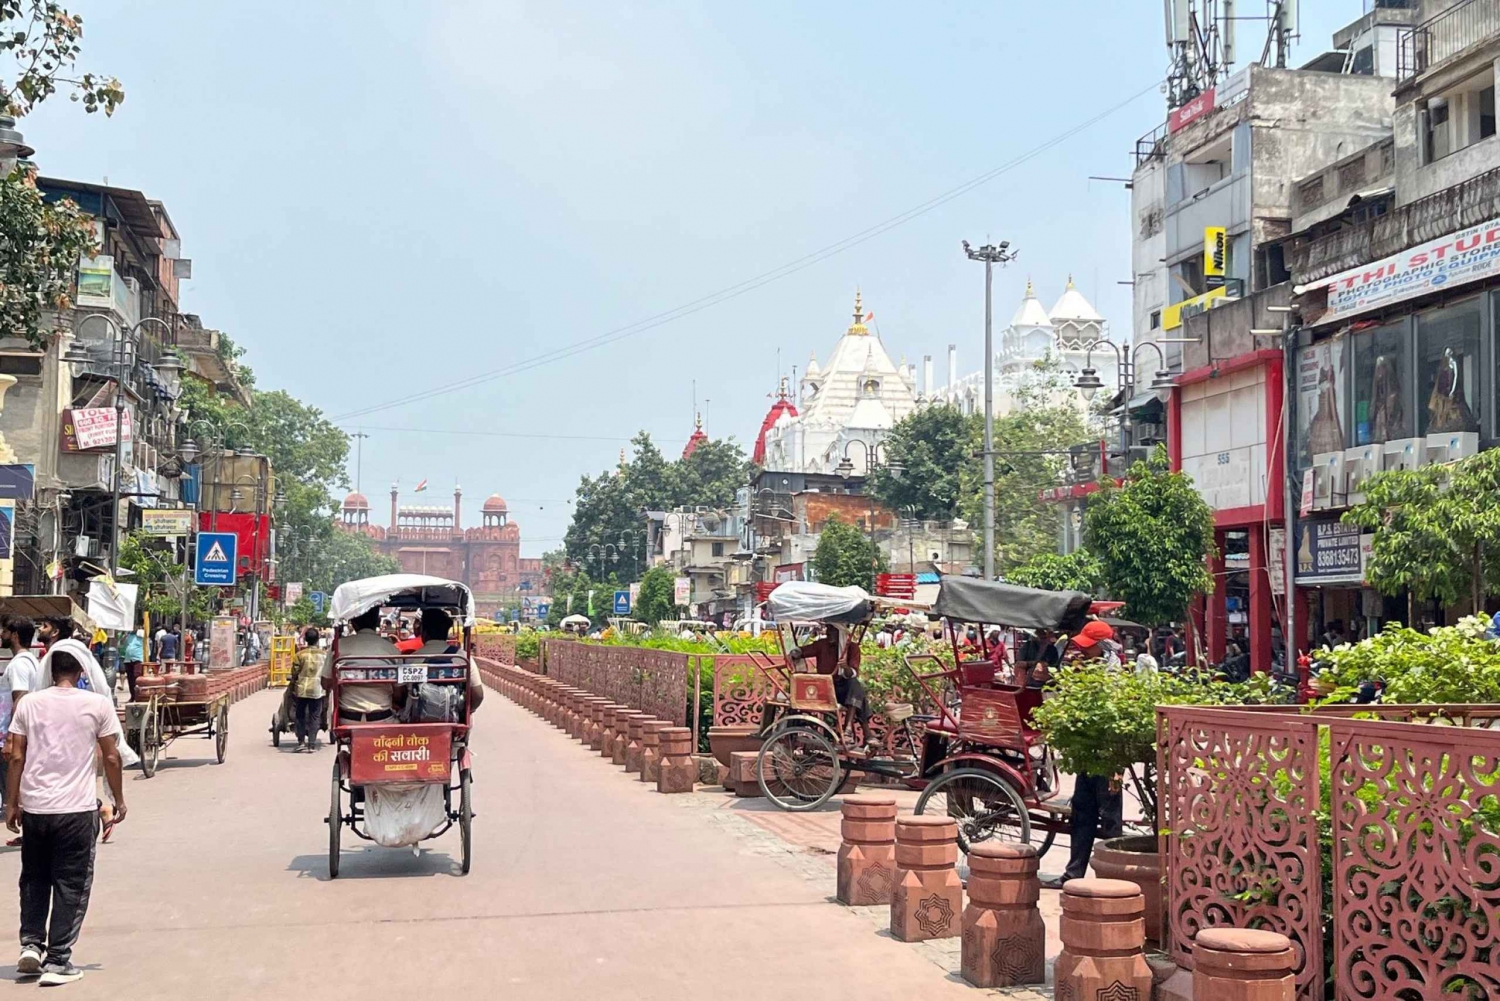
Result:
30,963
57,974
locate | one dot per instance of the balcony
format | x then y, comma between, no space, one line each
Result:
1449,33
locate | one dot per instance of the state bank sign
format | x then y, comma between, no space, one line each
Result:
1456,259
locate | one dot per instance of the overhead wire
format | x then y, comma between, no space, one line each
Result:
749,284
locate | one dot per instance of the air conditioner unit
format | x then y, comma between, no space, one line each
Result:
1359,465
1403,453
84,546
1328,481
1451,446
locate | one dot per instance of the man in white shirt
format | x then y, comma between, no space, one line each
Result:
16,634
363,703
436,625
57,634
54,738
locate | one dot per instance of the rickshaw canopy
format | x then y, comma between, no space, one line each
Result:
574,620
991,602
806,601
403,590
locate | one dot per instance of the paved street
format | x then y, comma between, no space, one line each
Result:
585,884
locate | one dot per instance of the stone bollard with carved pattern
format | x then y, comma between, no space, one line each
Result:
651,749
606,745
927,898
1240,964
554,702
1103,930
867,856
622,734
633,744
1005,941
576,713
677,772
593,732
565,699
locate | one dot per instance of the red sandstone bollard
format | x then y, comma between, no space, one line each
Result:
569,719
1240,964
926,895
867,856
677,772
579,714
633,743
651,749
622,734
1005,941
606,745
594,730
1103,930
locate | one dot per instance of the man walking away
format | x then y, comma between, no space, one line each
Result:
169,645
307,691
16,634
54,736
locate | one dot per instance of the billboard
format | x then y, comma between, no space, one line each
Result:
1466,256
85,428
165,521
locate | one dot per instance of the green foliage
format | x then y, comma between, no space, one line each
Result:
1079,570
1153,537
528,645
845,558
340,557
933,447
40,244
654,602
1437,530
155,569
1450,664
41,38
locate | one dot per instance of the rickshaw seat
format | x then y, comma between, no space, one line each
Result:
977,674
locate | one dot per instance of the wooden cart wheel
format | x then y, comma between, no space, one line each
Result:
221,732
798,769
151,739
335,823
987,807
466,819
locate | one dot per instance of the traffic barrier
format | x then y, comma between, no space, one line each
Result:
1004,939
677,772
593,735
867,855
633,745
927,899
1103,930
606,745
1241,964
622,734
651,748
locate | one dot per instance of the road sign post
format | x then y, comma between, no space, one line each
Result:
622,603
217,557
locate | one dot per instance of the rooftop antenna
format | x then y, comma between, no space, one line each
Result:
359,458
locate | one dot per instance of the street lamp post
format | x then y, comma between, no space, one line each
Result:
991,255
845,469
1088,382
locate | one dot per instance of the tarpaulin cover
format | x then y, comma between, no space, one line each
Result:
359,596
969,599
805,601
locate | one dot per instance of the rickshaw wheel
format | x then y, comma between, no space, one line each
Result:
798,769
465,820
275,729
150,740
986,806
221,733
335,824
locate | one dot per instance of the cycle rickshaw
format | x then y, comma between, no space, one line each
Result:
974,756
404,782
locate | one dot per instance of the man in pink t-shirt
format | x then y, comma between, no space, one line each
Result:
55,735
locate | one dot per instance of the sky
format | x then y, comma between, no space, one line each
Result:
381,199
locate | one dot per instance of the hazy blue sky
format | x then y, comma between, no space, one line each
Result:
381,198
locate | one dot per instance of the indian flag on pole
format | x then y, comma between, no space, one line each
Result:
420,487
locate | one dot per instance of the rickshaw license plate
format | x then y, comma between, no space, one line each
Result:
411,674
417,753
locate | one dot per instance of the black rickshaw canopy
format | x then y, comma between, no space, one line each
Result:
990,602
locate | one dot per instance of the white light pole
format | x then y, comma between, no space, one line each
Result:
991,255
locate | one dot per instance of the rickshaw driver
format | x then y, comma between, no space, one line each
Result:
847,688
363,703
435,627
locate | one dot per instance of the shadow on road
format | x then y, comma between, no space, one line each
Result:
376,863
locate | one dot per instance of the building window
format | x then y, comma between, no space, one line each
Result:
1461,117
1156,319
1382,385
1486,109
1448,353
718,549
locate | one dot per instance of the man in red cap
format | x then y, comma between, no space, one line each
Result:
1098,800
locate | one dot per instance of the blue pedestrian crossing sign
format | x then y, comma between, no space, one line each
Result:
216,559
622,603
319,599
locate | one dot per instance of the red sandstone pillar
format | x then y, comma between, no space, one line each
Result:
1218,610
867,856
575,712
606,744
1238,964
926,895
677,772
1103,934
1005,942
1260,602
622,734
594,732
633,745
651,749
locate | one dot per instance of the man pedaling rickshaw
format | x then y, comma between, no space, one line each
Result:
832,653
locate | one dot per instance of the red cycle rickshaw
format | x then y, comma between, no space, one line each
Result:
404,782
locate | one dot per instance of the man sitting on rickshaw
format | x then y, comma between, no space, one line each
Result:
847,688
435,627
363,703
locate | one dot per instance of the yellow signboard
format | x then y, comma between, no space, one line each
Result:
1215,251
1173,315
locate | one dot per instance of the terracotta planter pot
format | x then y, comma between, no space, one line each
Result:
1135,859
725,740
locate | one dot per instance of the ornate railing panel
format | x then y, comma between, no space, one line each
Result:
1239,793
499,647
1416,825
740,690
653,681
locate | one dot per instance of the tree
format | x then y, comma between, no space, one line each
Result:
1079,570
710,475
656,600
160,577
1437,530
933,447
1153,537
41,243
845,558
341,557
